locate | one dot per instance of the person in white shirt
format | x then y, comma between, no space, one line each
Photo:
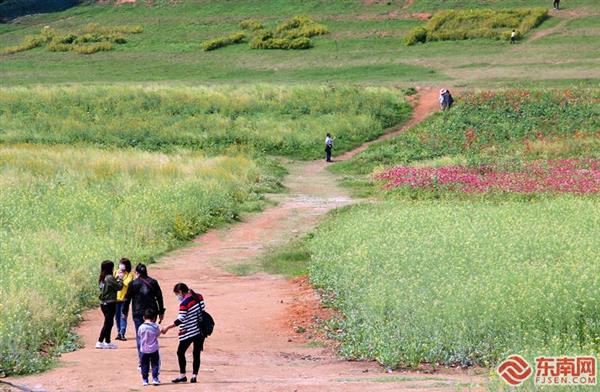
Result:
328,147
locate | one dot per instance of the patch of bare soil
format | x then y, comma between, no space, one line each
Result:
263,322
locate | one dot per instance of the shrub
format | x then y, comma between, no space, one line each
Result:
469,24
94,47
223,41
30,42
102,37
251,24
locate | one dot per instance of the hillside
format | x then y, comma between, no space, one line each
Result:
364,46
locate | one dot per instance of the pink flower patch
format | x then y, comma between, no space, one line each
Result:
559,176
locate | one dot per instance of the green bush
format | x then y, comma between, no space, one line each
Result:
251,24
220,42
91,48
480,23
79,42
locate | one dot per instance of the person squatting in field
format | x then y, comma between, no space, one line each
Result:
144,293
120,315
148,334
328,147
109,286
191,306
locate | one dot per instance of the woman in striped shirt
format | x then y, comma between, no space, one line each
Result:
191,306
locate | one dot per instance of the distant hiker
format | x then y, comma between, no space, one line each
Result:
443,98
120,315
449,99
328,147
109,285
148,334
191,306
144,293
557,4
513,37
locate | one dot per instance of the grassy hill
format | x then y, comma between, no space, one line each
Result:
365,46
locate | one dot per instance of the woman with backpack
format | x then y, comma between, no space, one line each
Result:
109,286
191,308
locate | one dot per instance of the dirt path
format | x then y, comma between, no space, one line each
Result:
254,347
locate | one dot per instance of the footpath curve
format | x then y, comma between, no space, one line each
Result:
254,347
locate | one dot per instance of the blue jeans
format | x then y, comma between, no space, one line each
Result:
146,360
137,321
119,320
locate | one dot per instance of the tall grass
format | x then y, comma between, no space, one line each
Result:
65,209
289,121
462,283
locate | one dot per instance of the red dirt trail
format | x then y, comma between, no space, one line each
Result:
254,346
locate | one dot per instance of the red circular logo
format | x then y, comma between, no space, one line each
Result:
514,370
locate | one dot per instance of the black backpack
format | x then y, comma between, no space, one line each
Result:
206,324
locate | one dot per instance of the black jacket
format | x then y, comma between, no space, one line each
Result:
144,293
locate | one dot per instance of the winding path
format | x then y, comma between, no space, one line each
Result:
254,347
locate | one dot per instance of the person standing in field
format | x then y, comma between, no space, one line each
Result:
557,4
328,147
109,285
191,307
144,293
148,334
120,315
443,100
513,36
449,99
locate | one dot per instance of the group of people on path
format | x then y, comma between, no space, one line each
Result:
119,289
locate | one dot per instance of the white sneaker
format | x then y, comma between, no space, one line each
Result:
100,345
110,346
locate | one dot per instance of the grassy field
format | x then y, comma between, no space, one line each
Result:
365,46
289,121
65,209
462,283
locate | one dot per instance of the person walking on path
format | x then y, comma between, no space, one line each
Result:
144,293
328,147
191,306
449,99
109,285
556,4
120,318
148,334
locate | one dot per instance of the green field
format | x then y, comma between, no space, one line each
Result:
365,45
289,121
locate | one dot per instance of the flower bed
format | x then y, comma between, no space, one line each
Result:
553,176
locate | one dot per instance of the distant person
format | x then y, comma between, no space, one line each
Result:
191,306
109,285
513,37
120,315
148,334
144,293
328,147
557,4
443,99
449,99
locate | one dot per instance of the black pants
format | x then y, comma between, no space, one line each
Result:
198,342
109,311
328,153
557,4
152,359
